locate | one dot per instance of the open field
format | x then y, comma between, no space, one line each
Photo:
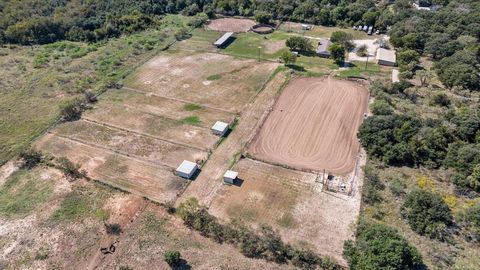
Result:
51,223
231,25
207,79
292,202
319,31
37,80
313,126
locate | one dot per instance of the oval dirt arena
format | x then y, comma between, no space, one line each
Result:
313,126
231,25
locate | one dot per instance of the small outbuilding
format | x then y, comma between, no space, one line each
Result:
220,128
229,177
187,169
395,76
386,57
222,41
322,48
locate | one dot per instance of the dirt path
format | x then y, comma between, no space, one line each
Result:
210,179
313,126
6,170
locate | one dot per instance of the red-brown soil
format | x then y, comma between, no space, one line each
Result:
313,126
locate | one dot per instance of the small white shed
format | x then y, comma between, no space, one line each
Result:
229,177
187,169
220,128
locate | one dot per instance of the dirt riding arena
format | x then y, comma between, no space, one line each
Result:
231,25
292,202
313,126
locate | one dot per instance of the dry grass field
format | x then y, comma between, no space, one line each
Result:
133,138
313,126
210,80
292,202
231,25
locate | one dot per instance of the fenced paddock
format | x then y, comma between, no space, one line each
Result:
313,126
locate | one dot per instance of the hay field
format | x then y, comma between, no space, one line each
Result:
231,25
313,126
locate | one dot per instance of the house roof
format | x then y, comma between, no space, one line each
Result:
220,126
323,46
187,167
386,55
223,38
230,174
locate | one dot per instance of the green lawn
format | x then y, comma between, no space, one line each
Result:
359,70
324,31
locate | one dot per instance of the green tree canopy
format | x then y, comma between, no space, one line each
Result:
379,247
427,213
337,53
298,43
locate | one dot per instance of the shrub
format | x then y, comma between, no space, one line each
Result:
441,99
69,168
113,228
397,187
72,110
263,17
427,214
469,220
378,247
288,58
173,258
371,186
337,53
198,21
31,158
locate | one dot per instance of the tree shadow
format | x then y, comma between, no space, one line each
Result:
182,265
296,67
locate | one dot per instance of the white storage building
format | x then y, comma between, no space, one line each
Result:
187,169
230,176
220,128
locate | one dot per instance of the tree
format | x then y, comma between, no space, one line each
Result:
263,17
474,178
288,58
408,59
381,107
31,158
72,110
379,247
460,70
343,38
337,53
441,45
298,43
424,76
69,168
427,214
173,258
362,51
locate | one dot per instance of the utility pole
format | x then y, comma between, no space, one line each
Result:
259,47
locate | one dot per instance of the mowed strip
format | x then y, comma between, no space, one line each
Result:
313,126
214,80
128,143
143,178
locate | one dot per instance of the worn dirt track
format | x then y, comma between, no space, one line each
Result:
231,25
313,126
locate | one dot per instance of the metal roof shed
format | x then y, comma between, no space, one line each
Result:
322,49
223,39
230,176
220,128
187,169
386,57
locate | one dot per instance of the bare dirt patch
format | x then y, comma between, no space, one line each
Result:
231,25
178,75
292,202
313,126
